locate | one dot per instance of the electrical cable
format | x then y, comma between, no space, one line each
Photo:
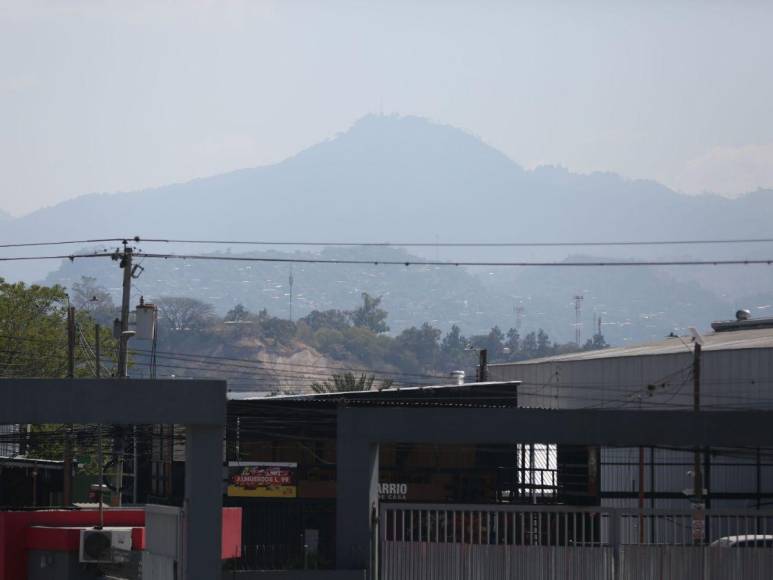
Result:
377,262
418,244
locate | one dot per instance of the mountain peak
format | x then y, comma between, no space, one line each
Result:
392,142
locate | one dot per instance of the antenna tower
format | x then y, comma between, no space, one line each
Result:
291,280
519,312
578,298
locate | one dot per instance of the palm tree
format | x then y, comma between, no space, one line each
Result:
347,382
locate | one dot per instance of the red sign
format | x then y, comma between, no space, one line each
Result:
262,479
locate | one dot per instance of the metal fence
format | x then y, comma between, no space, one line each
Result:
493,542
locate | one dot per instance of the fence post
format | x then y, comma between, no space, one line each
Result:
614,542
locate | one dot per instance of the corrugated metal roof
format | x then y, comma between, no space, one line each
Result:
715,341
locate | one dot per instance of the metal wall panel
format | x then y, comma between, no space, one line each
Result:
163,531
730,379
477,542
8,448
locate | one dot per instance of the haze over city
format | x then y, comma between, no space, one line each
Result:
386,290
106,98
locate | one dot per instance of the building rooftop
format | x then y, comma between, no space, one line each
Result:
714,341
492,393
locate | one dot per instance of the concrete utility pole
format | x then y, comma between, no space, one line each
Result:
100,454
67,463
123,345
70,342
483,365
98,350
696,377
119,444
698,513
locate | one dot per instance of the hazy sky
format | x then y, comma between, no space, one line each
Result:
108,96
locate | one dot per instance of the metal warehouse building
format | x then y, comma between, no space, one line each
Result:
736,372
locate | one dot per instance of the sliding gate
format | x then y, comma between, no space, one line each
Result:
496,542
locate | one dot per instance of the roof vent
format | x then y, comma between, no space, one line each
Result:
743,315
743,321
458,377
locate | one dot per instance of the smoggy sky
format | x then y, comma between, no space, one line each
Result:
109,96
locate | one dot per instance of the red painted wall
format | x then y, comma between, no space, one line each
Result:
13,532
58,539
232,533
15,539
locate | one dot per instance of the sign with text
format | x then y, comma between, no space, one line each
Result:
393,491
262,479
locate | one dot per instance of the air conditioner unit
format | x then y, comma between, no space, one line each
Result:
105,546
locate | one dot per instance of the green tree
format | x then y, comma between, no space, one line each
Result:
529,345
422,343
596,343
33,343
237,314
369,315
33,333
452,349
180,313
93,298
543,344
513,343
318,319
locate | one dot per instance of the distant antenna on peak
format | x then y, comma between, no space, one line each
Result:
291,281
520,310
578,298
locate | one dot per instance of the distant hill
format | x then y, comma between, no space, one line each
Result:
390,178
5,216
406,178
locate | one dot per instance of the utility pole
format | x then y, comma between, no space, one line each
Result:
698,518
67,463
483,365
119,444
100,457
98,350
123,345
696,377
70,342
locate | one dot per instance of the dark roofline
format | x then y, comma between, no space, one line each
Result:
493,393
384,393
21,461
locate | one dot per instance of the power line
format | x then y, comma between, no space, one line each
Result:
414,244
466,244
459,263
242,362
455,263
63,243
70,257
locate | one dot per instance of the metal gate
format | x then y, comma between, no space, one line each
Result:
485,542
